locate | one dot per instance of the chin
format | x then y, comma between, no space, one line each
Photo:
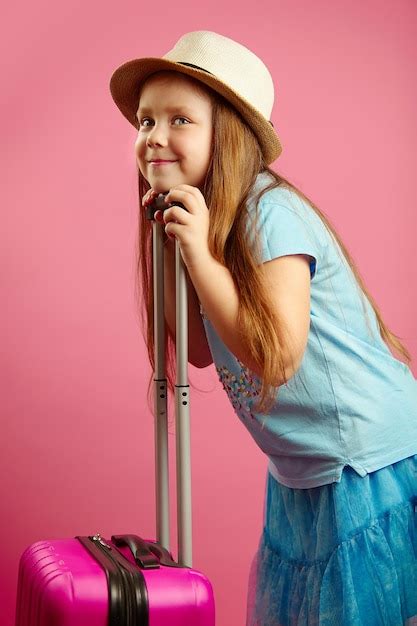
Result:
164,182
160,185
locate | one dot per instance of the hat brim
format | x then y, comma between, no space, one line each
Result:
126,81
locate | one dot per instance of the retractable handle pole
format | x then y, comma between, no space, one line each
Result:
182,400
160,393
182,416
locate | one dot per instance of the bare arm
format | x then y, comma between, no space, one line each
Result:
199,353
289,282
287,278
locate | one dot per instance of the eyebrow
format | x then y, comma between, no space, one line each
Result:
176,109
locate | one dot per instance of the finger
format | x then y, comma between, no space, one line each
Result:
171,229
188,198
189,188
177,231
176,214
148,197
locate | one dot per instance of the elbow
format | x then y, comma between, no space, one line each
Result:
278,380
290,371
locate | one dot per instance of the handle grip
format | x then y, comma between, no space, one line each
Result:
138,547
159,204
146,554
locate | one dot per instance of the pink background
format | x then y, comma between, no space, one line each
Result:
76,434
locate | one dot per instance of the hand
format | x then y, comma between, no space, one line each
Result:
189,226
149,197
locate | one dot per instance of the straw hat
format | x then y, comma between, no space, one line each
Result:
226,66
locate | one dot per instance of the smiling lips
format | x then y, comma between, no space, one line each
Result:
160,162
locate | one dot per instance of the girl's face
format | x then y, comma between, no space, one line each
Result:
174,141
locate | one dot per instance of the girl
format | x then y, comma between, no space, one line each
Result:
276,302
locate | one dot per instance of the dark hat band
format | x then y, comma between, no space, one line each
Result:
196,67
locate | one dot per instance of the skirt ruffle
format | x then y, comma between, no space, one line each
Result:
344,554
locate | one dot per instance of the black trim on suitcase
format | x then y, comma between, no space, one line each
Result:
128,596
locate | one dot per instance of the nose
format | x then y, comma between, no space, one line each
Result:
157,136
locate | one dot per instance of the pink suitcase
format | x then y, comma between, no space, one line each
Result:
126,580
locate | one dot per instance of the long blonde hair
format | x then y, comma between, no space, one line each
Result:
236,161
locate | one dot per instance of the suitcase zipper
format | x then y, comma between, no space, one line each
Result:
134,603
128,598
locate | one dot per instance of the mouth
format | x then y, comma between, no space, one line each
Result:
160,164
159,161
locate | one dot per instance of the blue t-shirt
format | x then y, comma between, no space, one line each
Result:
351,402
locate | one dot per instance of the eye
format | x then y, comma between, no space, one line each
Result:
181,118
144,120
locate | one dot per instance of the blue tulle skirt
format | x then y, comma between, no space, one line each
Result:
342,554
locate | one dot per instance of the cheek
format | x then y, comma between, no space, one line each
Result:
206,149
139,147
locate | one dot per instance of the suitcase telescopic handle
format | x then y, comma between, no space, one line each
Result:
182,408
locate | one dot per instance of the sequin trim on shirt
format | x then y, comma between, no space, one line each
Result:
241,390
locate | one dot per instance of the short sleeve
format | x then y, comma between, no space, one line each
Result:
289,227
